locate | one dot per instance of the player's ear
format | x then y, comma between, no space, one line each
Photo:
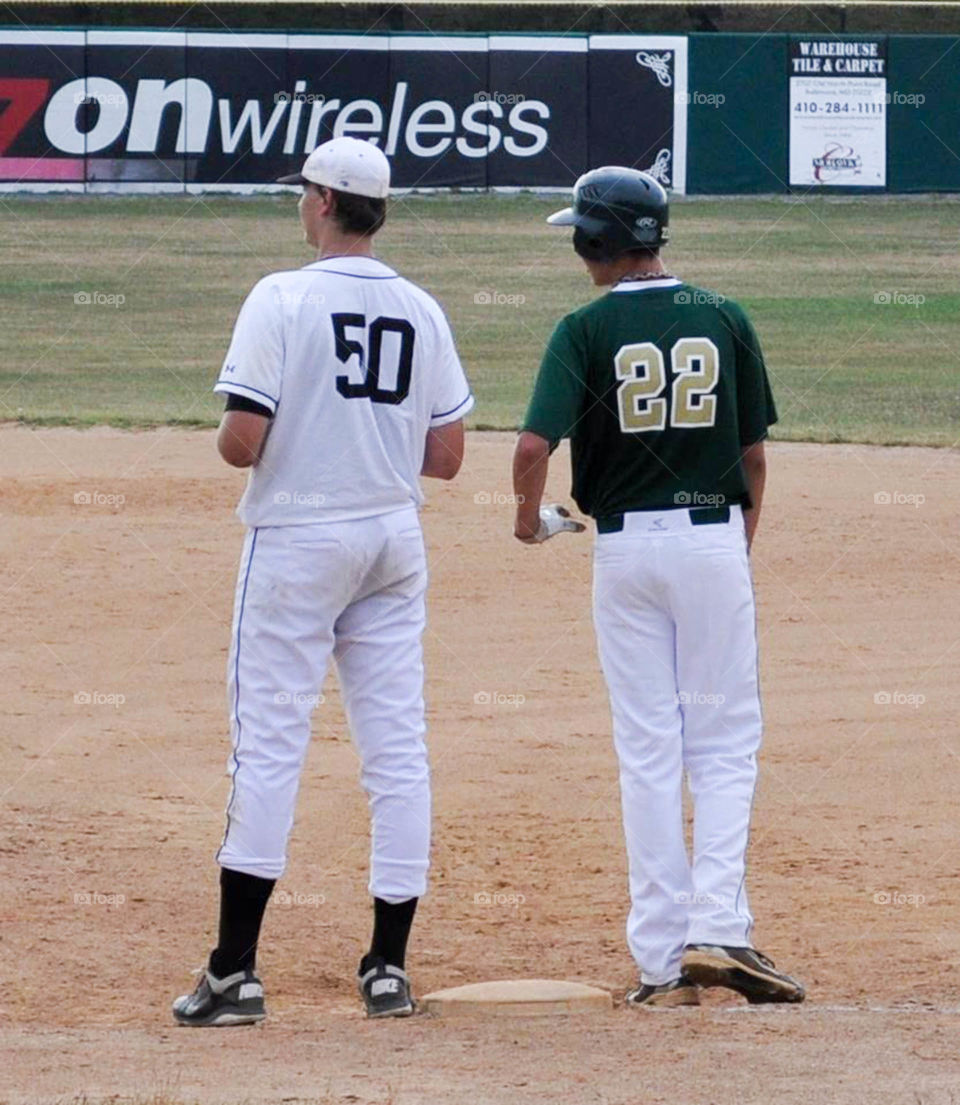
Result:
328,200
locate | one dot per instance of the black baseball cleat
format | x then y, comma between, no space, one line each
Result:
385,990
681,991
217,1002
742,969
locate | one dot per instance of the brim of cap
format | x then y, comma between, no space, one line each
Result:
299,178
566,217
590,224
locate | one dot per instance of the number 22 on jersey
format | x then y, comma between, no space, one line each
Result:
640,401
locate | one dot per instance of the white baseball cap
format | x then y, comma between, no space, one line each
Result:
348,165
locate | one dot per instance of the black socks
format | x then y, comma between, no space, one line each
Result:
243,899
391,929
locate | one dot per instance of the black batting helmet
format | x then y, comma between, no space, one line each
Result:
614,210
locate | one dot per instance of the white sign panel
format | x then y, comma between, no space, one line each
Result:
838,113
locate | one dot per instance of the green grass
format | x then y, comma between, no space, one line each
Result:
843,367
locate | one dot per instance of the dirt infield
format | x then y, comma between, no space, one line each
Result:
119,556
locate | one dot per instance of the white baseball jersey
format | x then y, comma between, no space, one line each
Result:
356,363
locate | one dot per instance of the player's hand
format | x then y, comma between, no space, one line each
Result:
554,519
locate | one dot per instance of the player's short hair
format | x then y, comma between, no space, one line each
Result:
362,215
645,251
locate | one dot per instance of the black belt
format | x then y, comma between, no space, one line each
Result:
699,516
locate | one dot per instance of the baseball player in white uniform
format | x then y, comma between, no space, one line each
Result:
343,387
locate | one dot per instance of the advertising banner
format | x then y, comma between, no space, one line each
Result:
838,112
165,110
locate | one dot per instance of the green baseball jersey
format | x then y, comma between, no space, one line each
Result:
659,386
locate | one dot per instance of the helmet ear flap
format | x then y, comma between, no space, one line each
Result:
591,247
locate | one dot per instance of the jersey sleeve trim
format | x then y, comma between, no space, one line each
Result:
233,387
454,414
242,403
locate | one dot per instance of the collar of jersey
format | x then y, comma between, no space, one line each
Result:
353,266
647,285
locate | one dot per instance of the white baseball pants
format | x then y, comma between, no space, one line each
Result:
675,622
354,591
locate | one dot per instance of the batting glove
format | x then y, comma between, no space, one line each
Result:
555,519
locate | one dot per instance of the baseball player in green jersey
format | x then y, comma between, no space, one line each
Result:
662,390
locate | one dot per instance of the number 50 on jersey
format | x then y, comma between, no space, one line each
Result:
376,379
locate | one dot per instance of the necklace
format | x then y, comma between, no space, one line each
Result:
631,276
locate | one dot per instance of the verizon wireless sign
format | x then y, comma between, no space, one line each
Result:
426,130
154,111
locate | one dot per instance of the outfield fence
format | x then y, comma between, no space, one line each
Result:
111,109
